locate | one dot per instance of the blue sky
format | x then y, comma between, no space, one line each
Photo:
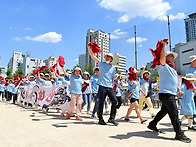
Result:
48,27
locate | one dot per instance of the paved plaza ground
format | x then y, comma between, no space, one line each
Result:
28,127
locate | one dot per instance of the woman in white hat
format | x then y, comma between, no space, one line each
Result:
86,95
144,85
192,69
187,104
76,82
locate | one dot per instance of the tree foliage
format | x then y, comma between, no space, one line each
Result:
89,69
9,73
19,72
117,71
0,70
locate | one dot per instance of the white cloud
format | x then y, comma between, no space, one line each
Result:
47,37
75,60
114,36
117,34
132,8
17,39
140,45
28,29
138,40
173,17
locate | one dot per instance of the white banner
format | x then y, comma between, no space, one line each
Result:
55,95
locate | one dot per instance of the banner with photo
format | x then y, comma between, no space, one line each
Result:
55,95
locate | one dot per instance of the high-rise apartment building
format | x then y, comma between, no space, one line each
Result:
119,61
15,61
190,27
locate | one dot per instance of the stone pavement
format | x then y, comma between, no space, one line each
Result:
28,127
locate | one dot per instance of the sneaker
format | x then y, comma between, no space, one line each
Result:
153,116
126,119
194,122
93,116
78,118
62,114
192,128
68,115
113,122
183,138
102,122
153,128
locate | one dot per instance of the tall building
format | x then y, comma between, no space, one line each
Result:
103,41
190,27
184,51
119,61
51,61
30,64
15,61
82,60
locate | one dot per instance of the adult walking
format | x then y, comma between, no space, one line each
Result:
168,86
105,81
192,69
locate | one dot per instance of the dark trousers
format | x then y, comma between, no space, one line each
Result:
103,92
9,96
168,107
14,98
2,94
195,105
6,94
119,99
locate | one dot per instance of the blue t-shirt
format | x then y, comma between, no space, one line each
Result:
15,89
187,105
64,80
58,82
47,83
118,88
106,73
135,86
94,83
168,79
38,81
9,87
2,87
87,91
142,81
75,84
25,84
31,82
193,71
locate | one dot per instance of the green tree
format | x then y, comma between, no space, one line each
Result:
9,73
89,69
0,70
19,72
47,70
117,71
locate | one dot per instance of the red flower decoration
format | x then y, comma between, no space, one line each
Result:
95,47
61,61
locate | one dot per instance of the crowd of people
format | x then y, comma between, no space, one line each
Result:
105,83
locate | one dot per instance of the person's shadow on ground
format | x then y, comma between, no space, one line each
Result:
144,134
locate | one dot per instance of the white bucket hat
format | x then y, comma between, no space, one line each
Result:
86,73
190,77
96,67
147,72
41,74
116,76
174,54
47,75
109,54
192,58
62,73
